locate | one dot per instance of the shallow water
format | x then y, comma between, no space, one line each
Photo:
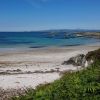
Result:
41,39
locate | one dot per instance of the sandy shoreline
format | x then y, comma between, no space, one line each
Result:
29,68
36,61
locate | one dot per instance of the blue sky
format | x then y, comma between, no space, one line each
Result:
29,15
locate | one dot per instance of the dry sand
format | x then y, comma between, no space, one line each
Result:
29,68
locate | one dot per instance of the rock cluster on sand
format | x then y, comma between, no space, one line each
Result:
83,60
78,60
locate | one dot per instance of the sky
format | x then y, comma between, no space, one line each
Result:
31,15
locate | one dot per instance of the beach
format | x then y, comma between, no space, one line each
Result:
29,68
21,69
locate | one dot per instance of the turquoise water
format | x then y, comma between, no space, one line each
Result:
40,39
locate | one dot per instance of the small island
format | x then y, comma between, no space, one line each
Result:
88,34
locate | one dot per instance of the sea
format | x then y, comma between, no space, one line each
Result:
40,39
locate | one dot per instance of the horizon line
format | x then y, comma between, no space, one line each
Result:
53,30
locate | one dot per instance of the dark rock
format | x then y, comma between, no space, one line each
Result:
84,60
78,60
93,55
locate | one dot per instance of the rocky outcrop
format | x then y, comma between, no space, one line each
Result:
84,60
93,55
78,60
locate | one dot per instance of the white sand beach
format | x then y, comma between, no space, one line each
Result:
29,68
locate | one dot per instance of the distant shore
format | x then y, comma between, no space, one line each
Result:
89,34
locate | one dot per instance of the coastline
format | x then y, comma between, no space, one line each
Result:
24,69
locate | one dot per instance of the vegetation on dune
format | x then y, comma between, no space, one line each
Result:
80,85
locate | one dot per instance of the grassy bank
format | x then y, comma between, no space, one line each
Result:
81,85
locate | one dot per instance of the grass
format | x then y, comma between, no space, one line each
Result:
81,85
